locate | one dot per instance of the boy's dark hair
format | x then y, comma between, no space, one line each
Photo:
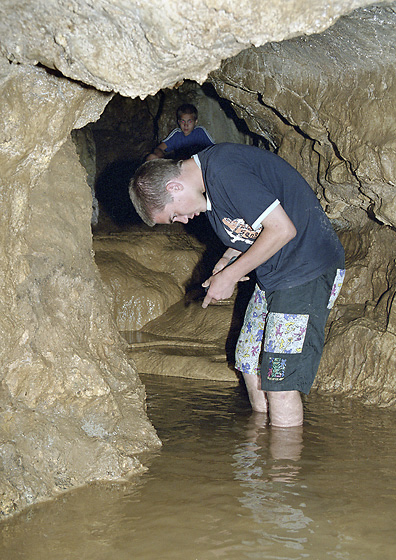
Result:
188,108
147,187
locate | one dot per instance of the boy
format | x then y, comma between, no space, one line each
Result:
185,141
268,216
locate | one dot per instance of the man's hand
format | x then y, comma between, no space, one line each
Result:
217,289
228,258
219,286
277,230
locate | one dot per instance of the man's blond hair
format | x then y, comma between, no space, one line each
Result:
147,188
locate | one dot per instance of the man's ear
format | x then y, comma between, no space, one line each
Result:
173,187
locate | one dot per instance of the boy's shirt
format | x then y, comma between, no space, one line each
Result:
243,185
186,146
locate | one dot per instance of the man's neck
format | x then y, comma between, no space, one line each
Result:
191,170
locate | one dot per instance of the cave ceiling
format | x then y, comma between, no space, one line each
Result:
136,48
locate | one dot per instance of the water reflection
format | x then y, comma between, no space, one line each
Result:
266,464
225,486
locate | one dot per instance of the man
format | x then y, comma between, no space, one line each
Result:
187,139
269,218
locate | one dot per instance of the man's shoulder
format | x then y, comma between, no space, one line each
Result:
202,132
225,152
200,128
173,133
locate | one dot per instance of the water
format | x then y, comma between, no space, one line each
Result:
224,487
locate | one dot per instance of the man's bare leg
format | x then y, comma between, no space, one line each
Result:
257,396
286,443
285,408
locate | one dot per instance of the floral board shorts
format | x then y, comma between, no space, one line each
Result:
282,336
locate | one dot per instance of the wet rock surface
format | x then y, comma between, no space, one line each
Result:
358,359
146,272
138,48
72,406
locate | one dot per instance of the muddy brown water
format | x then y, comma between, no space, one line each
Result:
224,487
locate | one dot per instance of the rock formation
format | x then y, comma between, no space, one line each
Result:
136,48
72,406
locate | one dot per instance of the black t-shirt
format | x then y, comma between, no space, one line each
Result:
243,184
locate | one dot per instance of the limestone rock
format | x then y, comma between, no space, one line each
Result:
358,358
71,405
145,271
189,341
86,149
137,48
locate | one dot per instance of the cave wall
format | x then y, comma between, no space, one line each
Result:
72,406
137,49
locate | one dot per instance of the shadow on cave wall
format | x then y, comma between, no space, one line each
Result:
111,190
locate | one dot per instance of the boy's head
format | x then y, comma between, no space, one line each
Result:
187,116
147,188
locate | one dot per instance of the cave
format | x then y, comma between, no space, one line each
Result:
129,129
87,90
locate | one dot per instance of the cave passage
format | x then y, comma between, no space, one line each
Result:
129,129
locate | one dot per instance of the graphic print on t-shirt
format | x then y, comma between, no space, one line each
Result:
239,230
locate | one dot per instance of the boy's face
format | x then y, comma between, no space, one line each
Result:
187,123
187,203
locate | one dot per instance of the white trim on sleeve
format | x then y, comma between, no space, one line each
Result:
172,133
196,159
207,134
257,223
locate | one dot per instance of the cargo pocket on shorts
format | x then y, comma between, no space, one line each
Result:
285,333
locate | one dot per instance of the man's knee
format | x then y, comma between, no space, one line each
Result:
285,408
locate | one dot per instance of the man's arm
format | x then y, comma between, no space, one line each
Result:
158,152
208,137
277,231
225,259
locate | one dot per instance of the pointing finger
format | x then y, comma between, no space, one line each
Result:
206,302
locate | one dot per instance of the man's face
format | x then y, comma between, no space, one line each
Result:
187,123
187,203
